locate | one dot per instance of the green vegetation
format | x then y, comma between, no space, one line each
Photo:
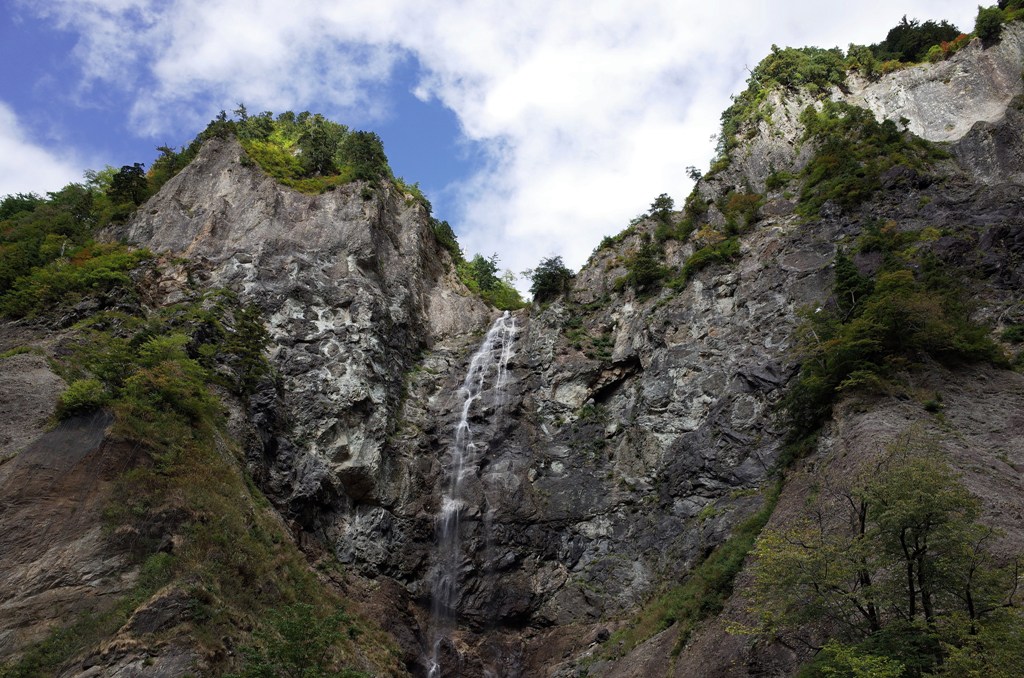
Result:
852,152
47,255
740,211
480,275
815,71
91,270
155,372
873,329
705,591
812,69
595,346
893,558
910,40
644,271
299,641
45,657
550,280
307,151
1014,333
718,253
81,396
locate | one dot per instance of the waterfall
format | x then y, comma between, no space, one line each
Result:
488,369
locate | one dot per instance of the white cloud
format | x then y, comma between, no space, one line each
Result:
588,108
26,167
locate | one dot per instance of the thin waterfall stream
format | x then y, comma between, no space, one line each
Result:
486,377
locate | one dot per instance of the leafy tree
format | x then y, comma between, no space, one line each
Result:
892,558
661,208
446,238
988,24
850,288
644,271
18,202
129,185
909,40
550,279
364,152
484,271
320,141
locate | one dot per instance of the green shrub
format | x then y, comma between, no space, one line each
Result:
445,237
852,151
719,253
989,23
92,270
480,275
872,331
644,271
1014,333
298,641
740,211
82,396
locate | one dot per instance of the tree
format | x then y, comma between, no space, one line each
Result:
989,24
644,271
484,271
18,202
661,208
910,40
551,279
364,152
129,185
892,557
320,141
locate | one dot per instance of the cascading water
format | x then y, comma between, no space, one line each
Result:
487,375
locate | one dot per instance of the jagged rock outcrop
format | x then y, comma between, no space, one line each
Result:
352,287
636,427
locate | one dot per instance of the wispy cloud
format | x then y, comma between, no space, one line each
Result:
588,108
25,166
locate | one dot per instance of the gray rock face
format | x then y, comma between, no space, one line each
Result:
943,101
351,287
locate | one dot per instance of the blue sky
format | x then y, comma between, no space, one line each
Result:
535,127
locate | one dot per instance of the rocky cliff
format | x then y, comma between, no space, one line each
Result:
638,428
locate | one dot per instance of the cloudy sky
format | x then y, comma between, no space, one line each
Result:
535,126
